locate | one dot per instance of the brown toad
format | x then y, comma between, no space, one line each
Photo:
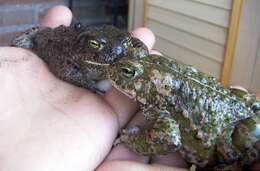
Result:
80,54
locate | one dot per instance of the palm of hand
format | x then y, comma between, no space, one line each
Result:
47,124
39,108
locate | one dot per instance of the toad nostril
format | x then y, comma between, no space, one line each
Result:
75,70
118,51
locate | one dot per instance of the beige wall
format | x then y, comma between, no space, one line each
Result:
136,14
191,31
246,68
195,31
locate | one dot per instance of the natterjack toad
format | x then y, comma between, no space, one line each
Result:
190,112
80,54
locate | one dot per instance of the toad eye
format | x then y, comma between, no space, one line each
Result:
78,26
127,43
256,106
128,72
95,44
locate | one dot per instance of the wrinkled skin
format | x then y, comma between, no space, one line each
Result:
189,112
73,56
80,55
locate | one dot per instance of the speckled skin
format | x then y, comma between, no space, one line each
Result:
78,54
190,112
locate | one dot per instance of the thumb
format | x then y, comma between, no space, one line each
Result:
56,16
133,166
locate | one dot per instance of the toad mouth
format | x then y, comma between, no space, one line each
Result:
128,94
96,63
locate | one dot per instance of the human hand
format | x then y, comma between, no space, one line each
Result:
47,124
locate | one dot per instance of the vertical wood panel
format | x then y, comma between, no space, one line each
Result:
248,40
255,83
231,41
136,14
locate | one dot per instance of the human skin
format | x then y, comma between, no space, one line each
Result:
48,124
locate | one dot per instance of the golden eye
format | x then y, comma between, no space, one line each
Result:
95,44
128,72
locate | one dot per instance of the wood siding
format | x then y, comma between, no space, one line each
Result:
255,79
246,70
135,14
191,31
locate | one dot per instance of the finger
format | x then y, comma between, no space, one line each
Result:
138,120
155,52
174,159
122,105
56,16
133,166
145,35
122,153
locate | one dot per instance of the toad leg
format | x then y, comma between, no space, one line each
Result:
227,153
162,138
250,99
25,40
151,113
